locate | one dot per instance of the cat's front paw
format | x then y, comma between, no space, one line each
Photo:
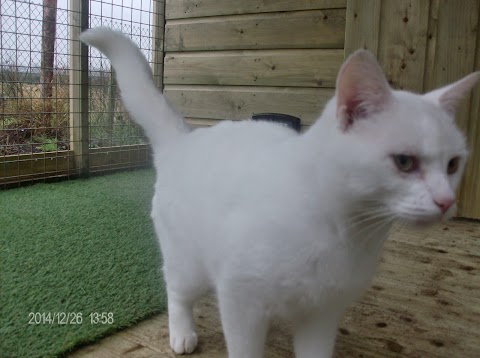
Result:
183,343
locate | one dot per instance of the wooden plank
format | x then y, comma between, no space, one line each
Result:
300,29
435,313
178,9
403,42
238,102
363,25
28,167
470,190
158,29
108,158
79,133
290,68
431,46
453,44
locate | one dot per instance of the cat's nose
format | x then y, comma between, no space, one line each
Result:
444,203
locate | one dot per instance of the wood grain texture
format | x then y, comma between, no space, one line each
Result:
241,102
290,68
432,31
31,167
312,29
452,54
403,42
363,25
453,29
27,167
470,193
177,9
426,292
423,302
120,157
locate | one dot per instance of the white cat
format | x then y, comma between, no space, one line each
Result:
286,224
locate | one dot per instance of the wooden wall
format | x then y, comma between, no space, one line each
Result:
422,45
229,59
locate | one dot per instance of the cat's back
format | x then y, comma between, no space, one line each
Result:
244,133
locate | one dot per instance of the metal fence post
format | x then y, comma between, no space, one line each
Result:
79,131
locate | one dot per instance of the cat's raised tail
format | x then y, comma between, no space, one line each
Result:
141,97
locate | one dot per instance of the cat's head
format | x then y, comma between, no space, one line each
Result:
404,149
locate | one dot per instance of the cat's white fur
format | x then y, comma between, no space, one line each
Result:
285,224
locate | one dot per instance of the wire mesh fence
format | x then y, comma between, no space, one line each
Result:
37,133
31,122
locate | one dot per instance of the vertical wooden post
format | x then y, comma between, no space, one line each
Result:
362,26
79,131
403,42
111,105
469,205
457,54
49,28
158,27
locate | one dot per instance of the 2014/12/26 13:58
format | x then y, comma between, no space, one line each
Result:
64,318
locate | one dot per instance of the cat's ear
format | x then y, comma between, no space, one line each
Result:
362,89
450,96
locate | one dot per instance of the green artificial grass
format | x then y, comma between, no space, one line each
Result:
82,247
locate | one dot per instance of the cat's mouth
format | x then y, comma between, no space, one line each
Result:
421,217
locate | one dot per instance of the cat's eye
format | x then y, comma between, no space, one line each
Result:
405,163
452,166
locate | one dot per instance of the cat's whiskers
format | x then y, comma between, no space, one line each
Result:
372,221
374,227
371,214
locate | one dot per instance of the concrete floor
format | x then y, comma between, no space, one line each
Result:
424,302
